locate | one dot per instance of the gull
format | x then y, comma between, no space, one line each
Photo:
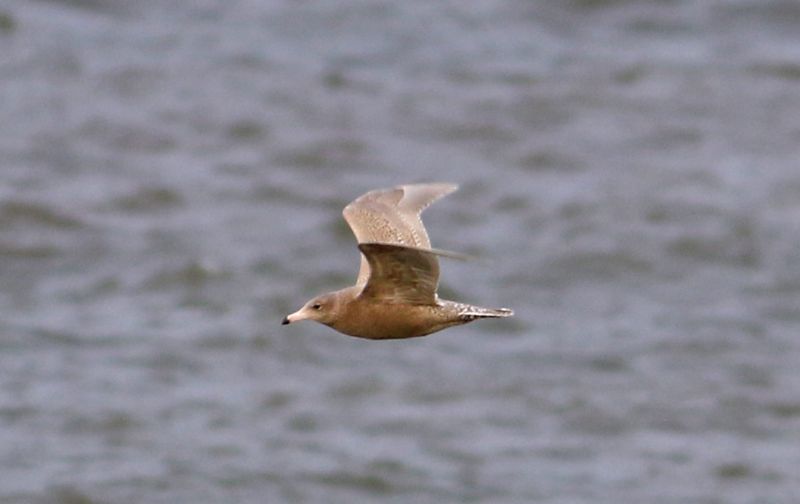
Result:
395,292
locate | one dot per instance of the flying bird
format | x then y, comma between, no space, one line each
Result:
395,292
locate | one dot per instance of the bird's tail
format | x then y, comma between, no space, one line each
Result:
475,312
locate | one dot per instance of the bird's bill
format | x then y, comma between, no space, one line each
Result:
295,317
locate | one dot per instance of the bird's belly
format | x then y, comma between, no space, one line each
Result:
390,321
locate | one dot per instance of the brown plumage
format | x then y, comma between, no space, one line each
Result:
395,291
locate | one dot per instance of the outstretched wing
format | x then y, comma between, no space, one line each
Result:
399,274
392,216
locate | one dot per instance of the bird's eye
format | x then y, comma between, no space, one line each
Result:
316,306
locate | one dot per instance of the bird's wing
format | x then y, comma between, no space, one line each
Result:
392,216
399,274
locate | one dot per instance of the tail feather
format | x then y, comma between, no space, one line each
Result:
475,312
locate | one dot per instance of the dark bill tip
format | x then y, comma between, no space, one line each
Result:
285,320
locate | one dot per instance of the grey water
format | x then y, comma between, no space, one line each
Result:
172,176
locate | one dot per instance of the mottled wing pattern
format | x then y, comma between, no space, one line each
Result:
393,216
399,274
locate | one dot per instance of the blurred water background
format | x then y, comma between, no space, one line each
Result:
171,181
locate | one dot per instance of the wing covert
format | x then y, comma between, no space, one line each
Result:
399,274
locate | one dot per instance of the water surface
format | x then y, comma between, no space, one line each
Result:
171,185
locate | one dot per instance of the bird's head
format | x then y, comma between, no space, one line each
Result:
322,309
